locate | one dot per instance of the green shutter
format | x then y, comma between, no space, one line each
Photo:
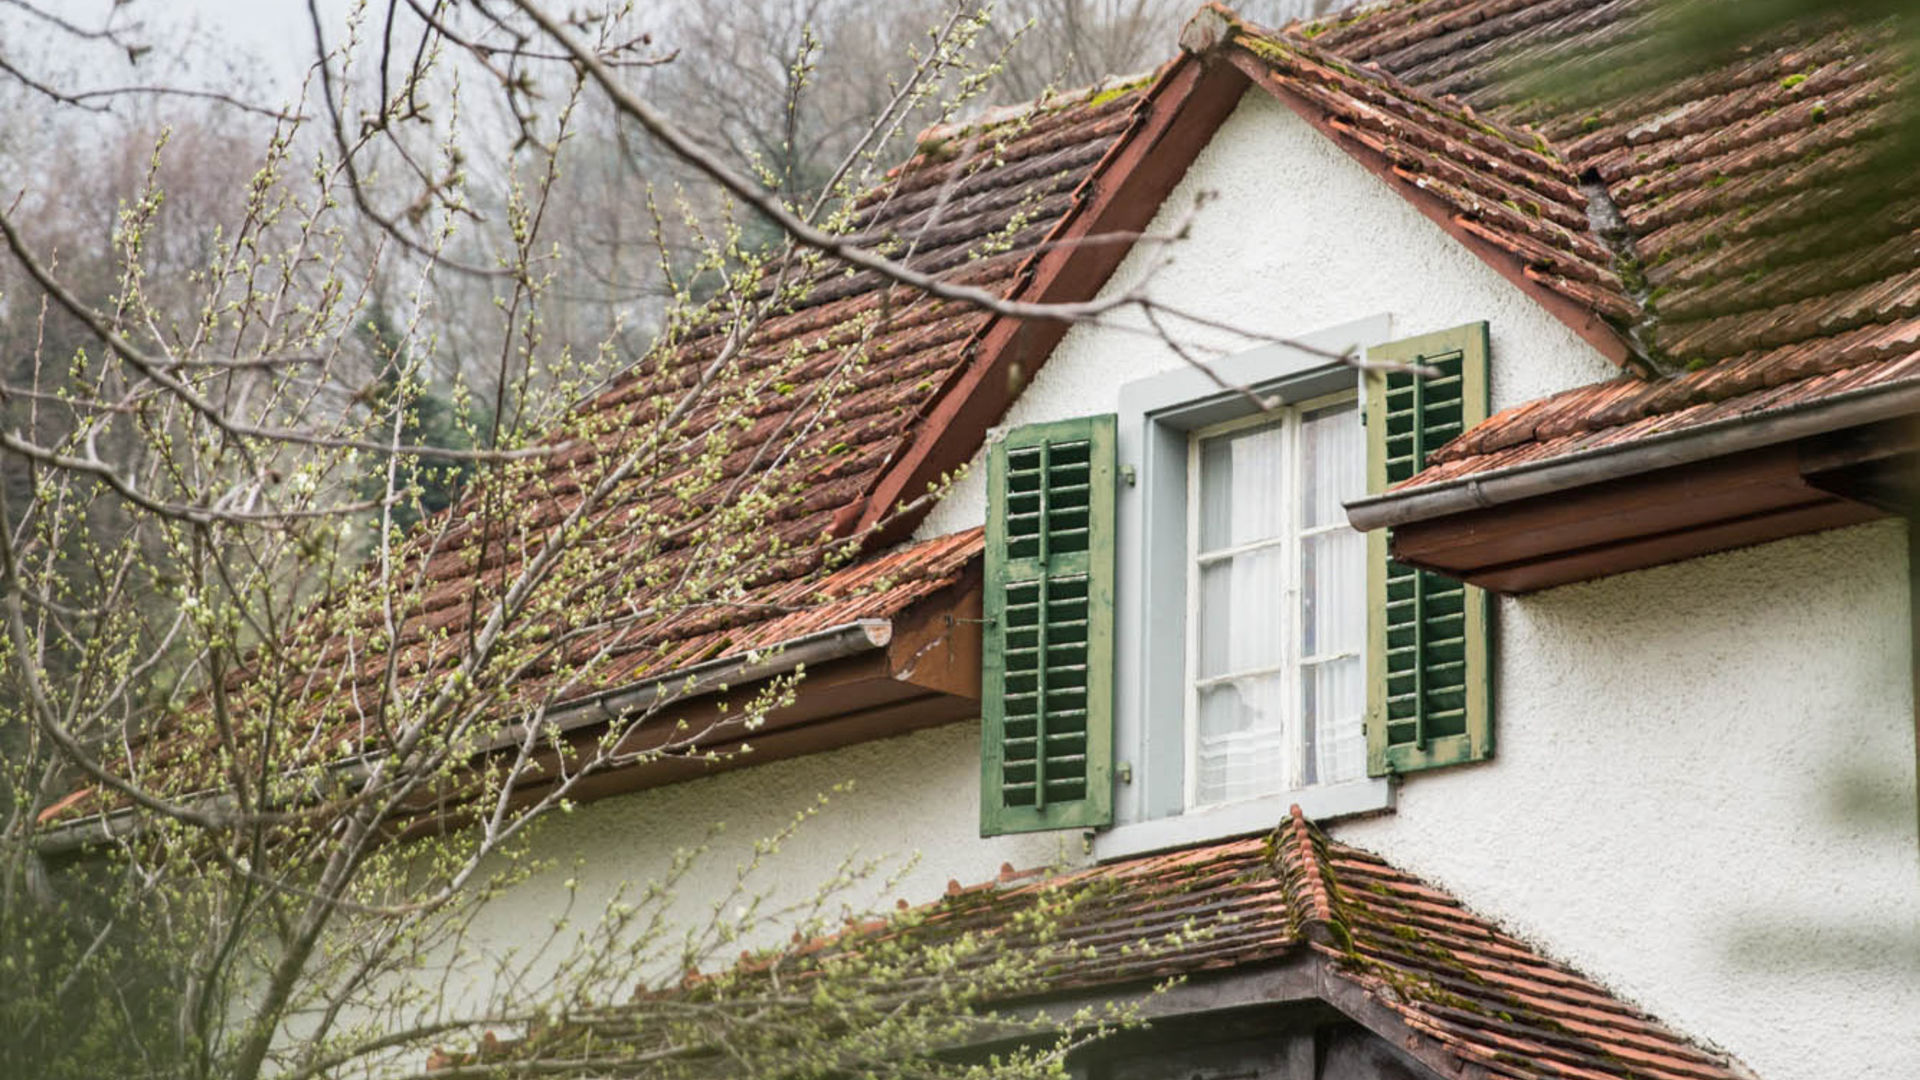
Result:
1428,700
1047,679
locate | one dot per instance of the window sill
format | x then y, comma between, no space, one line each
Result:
1321,804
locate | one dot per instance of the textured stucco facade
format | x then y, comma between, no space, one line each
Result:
1704,789
1703,797
912,802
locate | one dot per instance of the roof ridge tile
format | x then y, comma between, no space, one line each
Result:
1299,855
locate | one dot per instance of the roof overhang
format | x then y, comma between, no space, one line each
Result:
877,679
1212,32
1191,96
867,679
1668,496
1278,1002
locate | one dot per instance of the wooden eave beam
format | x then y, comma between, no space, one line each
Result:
1631,523
1118,200
934,652
1878,464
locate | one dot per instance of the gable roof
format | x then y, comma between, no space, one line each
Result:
1037,203
1766,288
1501,191
1320,920
1397,948
977,209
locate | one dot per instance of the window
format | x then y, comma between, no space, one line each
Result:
1182,635
1276,596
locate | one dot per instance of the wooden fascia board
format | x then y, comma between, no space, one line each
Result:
1584,321
903,716
1607,512
1643,552
1191,98
937,645
1628,524
1878,464
1421,1052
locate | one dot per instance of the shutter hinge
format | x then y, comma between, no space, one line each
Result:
1127,473
1124,773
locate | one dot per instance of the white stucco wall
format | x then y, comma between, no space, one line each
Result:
1704,798
1294,236
911,805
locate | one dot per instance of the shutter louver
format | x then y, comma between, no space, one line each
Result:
1047,679
1428,672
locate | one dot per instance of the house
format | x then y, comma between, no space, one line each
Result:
1562,647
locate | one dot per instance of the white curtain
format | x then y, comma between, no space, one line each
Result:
1243,623
1280,698
1333,602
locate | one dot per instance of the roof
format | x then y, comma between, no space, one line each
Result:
1472,990
1501,190
855,394
1396,952
714,544
831,386
1764,287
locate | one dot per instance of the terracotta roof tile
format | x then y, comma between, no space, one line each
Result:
878,587
1501,185
826,394
1411,949
1739,186
876,355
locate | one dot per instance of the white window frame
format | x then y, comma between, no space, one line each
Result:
1158,416
1292,539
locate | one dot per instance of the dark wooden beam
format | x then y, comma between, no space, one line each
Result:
1619,510
1878,465
1682,543
1189,101
1650,518
937,646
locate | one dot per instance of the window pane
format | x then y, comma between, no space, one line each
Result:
1280,630
1242,740
1242,614
1333,720
1333,593
1333,463
1240,487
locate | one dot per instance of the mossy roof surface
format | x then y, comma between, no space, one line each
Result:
1775,260
1453,978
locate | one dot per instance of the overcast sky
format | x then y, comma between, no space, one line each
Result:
200,41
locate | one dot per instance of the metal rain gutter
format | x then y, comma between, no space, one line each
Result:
1659,451
833,643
